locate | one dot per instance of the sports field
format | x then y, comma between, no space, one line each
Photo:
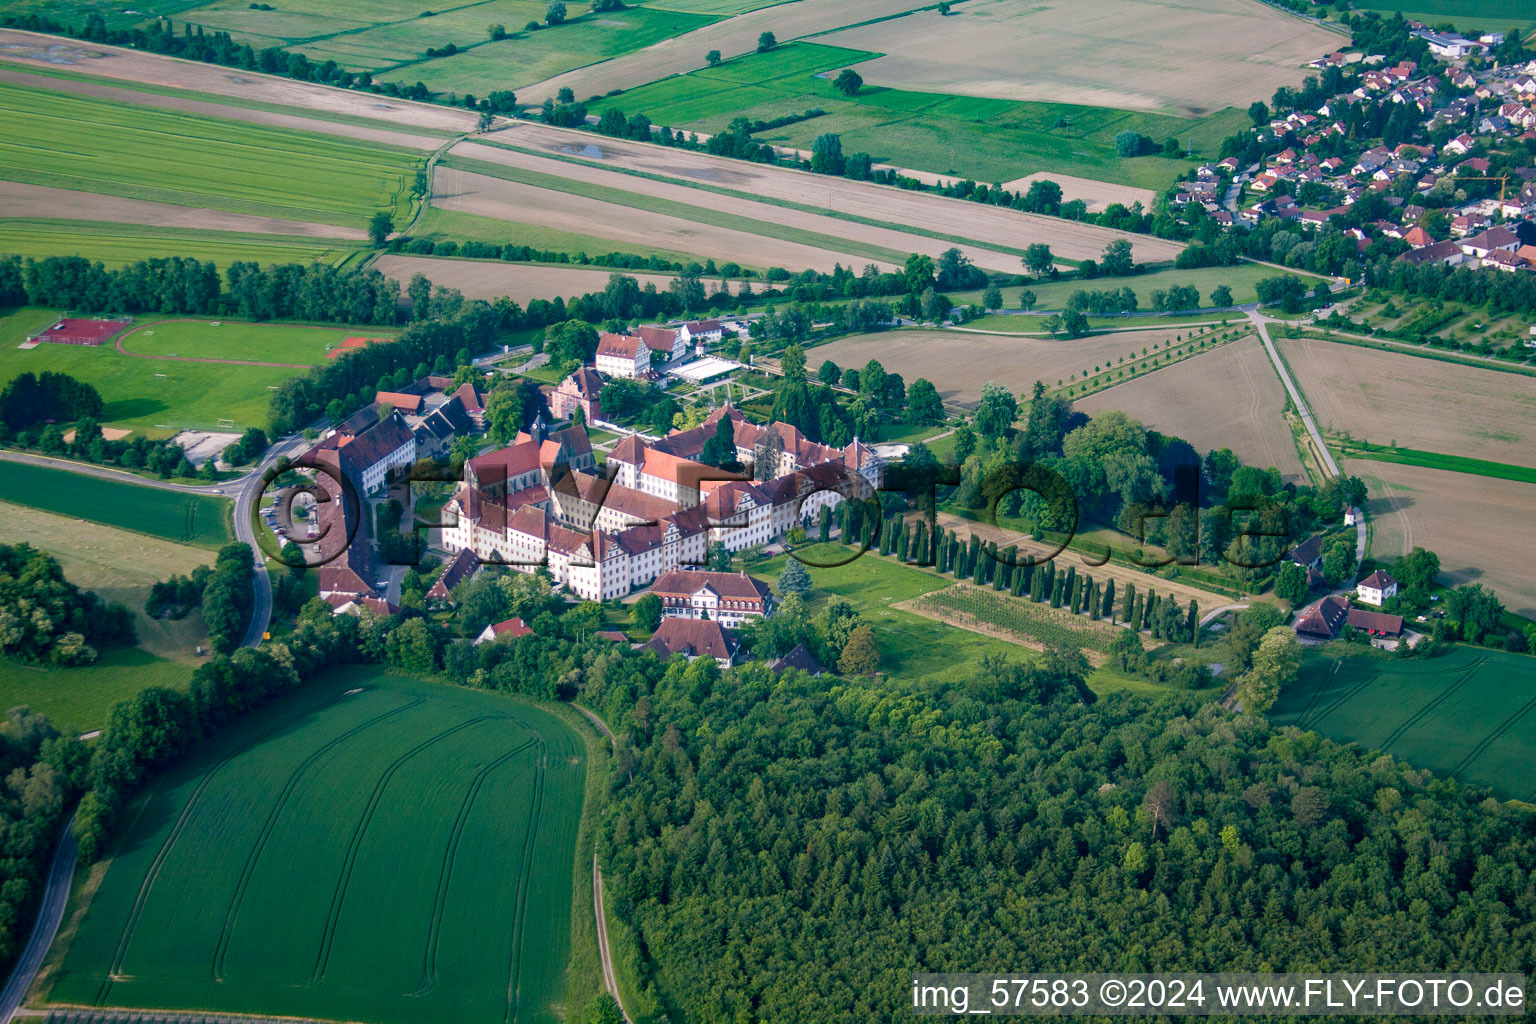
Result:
227,339
94,145
1229,397
373,848
196,519
1470,713
153,395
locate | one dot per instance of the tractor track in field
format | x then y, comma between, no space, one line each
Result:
175,834
1349,695
1496,735
535,810
450,855
221,949
1317,691
1433,703
339,895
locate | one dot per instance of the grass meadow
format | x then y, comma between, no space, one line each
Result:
1242,279
985,139
1466,15
96,145
1470,713
370,848
155,396
116,245
441,225
196,519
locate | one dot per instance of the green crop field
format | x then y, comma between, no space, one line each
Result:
115,245
372,848
97,145
456,226
156,396
227,339
1469,714
1466,15
1242,279
985,139
519,60
197,519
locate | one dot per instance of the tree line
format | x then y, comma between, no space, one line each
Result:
45,619
225,591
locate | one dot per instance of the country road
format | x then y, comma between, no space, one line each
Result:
610,980
1262,323
49,916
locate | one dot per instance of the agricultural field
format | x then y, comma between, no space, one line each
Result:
442,225
89,144
1412,402
1469,714
1467,15
484,195
1036,624
765,220
370,848
520,281
1229,397
1095,194
993,140
120,566
150,72
1186,58
155,396
956,221
202,521
1242,280
1481,528
958,362
732,37
294,344
115,245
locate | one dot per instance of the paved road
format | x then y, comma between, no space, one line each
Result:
1211,616
49,916
1262,322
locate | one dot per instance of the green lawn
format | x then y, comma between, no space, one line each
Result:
370,848
118,244
988,140
1436,460
227,339
79,700
202,520
1470,713
156,396
97,145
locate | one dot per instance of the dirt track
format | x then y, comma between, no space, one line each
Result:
898,241
524,204
1225,398
987,225
116,62
520,281
1481,528
21,200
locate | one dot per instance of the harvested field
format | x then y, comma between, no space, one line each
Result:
731,37
247,115
1418,403
519,281
1096,194
1482,528
985,225
525,204
899,241
958,363
1190,57
22,200
133,65
1226,398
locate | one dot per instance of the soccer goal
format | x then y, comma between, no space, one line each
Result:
226,424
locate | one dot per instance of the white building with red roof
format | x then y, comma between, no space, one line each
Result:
622,355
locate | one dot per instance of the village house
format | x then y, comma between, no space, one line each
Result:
695,638
1377,588
623,355
726,597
